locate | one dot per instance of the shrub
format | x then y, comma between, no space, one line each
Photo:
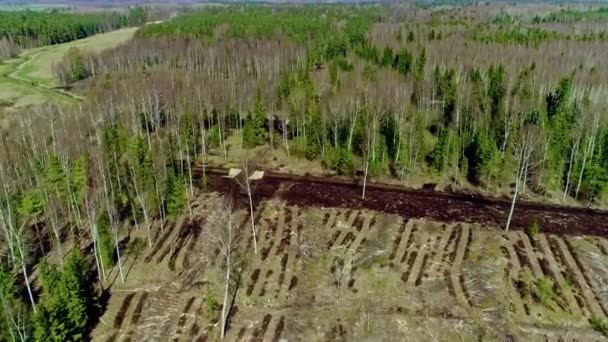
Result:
544,290
599,325
533,230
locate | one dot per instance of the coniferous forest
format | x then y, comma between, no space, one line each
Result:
476,99
23,29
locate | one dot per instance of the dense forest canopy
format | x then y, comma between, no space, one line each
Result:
504,106
26,28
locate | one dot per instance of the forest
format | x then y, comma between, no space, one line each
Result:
467,98
24,29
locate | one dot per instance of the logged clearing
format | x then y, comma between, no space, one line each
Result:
28,79
338,274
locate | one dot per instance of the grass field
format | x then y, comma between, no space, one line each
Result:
28,79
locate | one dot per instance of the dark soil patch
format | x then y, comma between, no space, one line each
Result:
120,316
278,331
334,236
159,244
415,203
139,308
254,280
293,283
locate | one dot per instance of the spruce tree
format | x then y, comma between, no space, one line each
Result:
254,131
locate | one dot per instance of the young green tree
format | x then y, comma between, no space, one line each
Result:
254,131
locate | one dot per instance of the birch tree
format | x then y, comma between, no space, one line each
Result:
220,232
527,143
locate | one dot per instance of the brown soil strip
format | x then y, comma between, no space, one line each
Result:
455,272
278,330
120,316
182,233
333,239
192,231
193,241
531,255
258,334
436,262
241,334
266,250
194,330
358,222
603,245
579,278
348,239
329,224
293,283
553,267
139,308
254,280
361,237
159,244
396,242
410,203
409,233
417,266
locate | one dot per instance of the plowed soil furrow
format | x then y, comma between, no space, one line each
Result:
435,264
420,257
410,203
278,329
331,220
158,245
531,255
397,242
579,278
557,275
360,236
122,312
455,272
136,316
603,244
410,230
182,233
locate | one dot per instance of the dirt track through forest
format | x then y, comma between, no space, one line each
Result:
414,203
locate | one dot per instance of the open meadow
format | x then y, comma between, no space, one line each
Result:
29,79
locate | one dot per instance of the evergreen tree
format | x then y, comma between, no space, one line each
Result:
482,156
254,131
14,314
68,302
387,56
